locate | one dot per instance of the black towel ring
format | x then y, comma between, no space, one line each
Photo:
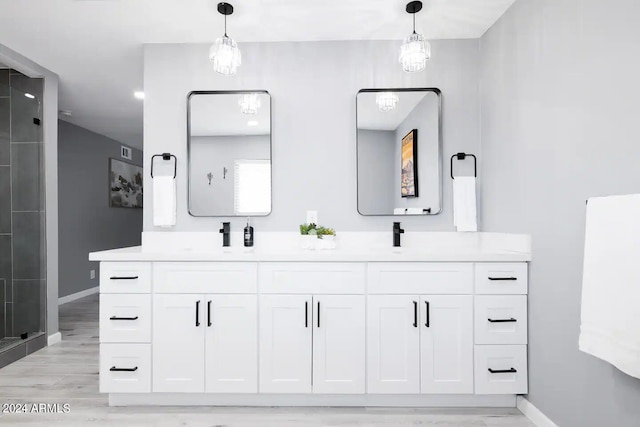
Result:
166,156
462,156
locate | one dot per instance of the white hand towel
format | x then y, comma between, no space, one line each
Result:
164,201
610,327
464,203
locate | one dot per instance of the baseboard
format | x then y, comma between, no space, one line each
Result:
78,295
54,338
534,414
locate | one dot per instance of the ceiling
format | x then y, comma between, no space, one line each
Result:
371,118
95,46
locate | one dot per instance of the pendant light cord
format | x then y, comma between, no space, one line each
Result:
414,22
225,26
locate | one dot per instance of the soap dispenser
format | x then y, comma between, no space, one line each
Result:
248,234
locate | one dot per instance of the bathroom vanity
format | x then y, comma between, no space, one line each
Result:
439,322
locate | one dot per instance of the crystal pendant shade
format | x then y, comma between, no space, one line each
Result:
225,56
249,103
387,101
414,53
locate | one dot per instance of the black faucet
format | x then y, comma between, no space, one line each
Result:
226,233
397,231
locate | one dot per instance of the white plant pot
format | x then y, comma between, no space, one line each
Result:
327,242
308,242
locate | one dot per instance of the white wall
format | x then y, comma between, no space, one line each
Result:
313,88
212,154
560,83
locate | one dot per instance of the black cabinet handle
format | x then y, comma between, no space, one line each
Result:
428,321
306,314
114,369
318,314
123,277
209,313
123,318
415,314
503,278
197,313
503,371
502,320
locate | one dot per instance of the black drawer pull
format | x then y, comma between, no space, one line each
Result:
209,314
502,320
114,369
415,314
428,321
503,278
503,371
123,318
197,313
318,314
306,314
123,277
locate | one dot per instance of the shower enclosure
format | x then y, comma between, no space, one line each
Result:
22,234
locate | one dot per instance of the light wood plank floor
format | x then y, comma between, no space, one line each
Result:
68,373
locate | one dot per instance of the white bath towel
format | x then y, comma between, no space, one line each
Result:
164,201
610,327
464,203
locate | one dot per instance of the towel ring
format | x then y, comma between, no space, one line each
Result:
166,156
462,156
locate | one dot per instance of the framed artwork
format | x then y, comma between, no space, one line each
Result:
125,184
409,170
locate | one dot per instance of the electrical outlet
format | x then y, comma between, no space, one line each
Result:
312,217
92,274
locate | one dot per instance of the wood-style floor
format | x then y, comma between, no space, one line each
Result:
68,373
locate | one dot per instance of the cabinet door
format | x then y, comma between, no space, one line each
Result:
446,343
285,333
178,343
231,343
338,344
393,344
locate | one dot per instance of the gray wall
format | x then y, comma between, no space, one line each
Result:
313,87
211,154
560,90
87,223
424,117
376,171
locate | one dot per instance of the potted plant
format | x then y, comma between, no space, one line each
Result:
309,236
327,236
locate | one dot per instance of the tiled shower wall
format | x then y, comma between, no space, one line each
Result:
22,285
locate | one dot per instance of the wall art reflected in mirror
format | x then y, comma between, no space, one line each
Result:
399,151
229,149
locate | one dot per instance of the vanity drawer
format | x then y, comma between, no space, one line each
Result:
125,368
125,277
501,369
500,319
205,277
312,278
125,318
501,278
420,278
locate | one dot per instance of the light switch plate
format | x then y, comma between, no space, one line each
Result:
312,217
92,274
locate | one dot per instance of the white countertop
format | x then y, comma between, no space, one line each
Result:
421,247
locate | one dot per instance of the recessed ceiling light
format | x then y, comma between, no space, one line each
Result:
138,95
28,95
252,123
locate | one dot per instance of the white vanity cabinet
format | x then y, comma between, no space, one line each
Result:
356,333
312,342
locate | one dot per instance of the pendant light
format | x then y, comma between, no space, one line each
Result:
415,50
387,101
249,103
224,54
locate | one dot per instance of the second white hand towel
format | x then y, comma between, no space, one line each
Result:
464,203
164,201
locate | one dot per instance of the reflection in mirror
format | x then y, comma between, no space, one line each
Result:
229,145
399,149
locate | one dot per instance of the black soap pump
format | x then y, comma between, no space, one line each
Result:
248,235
